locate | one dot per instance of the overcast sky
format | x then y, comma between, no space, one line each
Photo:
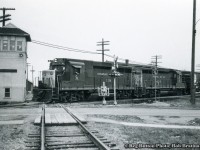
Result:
136,29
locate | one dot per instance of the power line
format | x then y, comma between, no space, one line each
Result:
62,47
78,50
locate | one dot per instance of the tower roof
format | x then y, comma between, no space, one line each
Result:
11,29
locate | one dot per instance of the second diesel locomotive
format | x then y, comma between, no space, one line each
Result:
78,80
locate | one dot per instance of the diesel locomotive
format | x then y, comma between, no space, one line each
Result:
78,80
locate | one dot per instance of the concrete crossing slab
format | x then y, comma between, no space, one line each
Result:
79,116
53,119
69,119
37,120
47,119
59,118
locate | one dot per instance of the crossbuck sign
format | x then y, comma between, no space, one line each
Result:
103,90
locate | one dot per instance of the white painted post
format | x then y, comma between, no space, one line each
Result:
115,73
115,101
104,88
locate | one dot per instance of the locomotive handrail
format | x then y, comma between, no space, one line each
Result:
51,86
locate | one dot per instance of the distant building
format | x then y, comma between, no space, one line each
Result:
13,59
29,86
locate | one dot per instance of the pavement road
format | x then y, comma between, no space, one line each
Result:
139,111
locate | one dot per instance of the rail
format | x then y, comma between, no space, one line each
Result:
51,80
89,134
43,128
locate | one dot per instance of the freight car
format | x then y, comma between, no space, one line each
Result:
186,80
78,80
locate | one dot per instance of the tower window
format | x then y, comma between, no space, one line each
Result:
12,45
19,45
7,92
5,45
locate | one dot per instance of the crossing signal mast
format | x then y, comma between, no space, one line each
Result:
5,18
115,74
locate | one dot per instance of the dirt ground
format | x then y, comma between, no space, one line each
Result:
14,136
122,134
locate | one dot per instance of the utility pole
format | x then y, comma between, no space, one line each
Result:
102,43
192,87
115,73
198,78
155,70
32,75
4,17
40,75
27,64
35,81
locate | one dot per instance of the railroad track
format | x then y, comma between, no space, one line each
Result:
75,136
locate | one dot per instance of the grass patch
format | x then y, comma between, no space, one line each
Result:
9,118
183,102
174,117
160,117
121,118
194,122
13,137
121,135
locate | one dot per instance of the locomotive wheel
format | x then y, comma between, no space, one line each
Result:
179,92
76,96
151,94
158,93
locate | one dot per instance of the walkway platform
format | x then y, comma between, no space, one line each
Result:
57,116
